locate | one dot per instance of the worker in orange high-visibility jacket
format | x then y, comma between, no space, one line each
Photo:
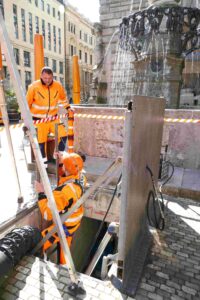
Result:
43,98
69,190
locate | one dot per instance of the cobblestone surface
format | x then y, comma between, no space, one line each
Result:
172,271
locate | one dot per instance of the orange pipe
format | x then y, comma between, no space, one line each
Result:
1,65
76,80
38,55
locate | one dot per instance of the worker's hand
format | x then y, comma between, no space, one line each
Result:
58,155
39,187
71,109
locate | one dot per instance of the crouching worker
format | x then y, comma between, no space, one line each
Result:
68,192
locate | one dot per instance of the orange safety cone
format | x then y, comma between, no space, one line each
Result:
38,55
76,80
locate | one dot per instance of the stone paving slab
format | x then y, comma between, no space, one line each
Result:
34,278
172,270
184,183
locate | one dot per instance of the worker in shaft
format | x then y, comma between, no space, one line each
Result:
43,98
68,192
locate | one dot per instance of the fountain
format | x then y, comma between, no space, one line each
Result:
160,37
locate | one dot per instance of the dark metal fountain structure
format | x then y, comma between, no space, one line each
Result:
160,38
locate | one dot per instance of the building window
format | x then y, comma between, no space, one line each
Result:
54,38
36,3
1,7
46,61
55,77
16,55
15,20
54,12
42,5
27,59
80,54
23,25
30,27
48,9
85,37
71,50
59,16
43,32
91,40
59,40
54,65
80,35
27,79
37,24
49,36
61,67
29,1
62,81
91,59
86,78
69,26
85,57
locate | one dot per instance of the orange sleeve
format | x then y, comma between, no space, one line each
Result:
61,202
30,95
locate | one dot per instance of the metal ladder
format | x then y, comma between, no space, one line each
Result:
75,287
8,52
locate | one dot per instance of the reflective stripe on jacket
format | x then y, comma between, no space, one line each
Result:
43,101
65,197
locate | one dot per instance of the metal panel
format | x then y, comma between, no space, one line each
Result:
142,144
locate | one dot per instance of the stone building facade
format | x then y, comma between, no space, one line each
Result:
81,41
25,18
65,33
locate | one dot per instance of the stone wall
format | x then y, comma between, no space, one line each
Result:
99,132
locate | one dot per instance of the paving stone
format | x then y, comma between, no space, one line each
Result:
173,284
189,290
193,286
155,296
22,269
175,297
147,287
7,296
162,275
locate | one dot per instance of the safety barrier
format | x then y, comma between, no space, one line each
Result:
101,117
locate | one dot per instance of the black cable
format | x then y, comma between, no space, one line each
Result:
102,222
158,221
169,163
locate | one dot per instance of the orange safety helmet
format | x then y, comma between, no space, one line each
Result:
73,163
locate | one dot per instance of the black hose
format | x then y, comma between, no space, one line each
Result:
156,219
15,245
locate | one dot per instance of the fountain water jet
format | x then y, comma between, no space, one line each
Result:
160,37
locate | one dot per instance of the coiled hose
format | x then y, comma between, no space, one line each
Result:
155,207
15,245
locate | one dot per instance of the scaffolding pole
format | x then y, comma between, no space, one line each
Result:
8,52
5,119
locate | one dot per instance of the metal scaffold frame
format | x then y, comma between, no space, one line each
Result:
21,98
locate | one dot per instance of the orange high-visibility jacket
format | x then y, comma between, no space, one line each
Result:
65,197
43,101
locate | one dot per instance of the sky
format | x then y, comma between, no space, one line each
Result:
88,8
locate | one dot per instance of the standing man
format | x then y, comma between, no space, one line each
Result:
44,96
